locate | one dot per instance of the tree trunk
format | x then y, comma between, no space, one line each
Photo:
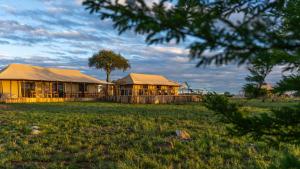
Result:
107,76
107,80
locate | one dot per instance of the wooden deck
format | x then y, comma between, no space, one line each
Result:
159,99
44,100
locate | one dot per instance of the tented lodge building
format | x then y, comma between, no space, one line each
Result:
26,81
136,84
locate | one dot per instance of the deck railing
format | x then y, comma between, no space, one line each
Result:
159,99
55,95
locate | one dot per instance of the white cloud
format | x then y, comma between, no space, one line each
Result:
78,2
172,50
180,59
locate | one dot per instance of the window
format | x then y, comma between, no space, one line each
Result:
158,87
122,92
141,92
129,92
28,89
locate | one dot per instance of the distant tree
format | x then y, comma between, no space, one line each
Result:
108,61
252,91
280,125
259,68
219,32
227,94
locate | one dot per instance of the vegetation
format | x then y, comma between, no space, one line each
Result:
111,135
273,125
259,69
289,83
219,31
108,61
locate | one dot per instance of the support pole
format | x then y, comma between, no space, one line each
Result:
71,90
23,88
57,89
1,88
50,89
10,88
83,89
18,88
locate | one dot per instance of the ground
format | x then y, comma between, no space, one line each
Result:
112,135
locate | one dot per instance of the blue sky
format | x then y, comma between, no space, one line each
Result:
60,33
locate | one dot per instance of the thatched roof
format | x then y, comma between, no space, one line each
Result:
146,79
29,72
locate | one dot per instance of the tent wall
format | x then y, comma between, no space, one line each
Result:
41,89
72,87
92,88
10,89
152,90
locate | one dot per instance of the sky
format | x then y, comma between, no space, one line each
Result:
62,34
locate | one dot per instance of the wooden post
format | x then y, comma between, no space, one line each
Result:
18,88
71,90
64,89
23,88
57,89
41,94
83,89
50,89
1,88
10,88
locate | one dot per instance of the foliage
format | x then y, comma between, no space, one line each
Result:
112,135
259,69
288,161
108,61
275,126
218,31
252,91
228,94
288,83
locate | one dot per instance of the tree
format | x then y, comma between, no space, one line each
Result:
108,61
281,124
252,91
219,31
228,94
260,68
288,83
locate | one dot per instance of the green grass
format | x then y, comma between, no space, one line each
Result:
111,135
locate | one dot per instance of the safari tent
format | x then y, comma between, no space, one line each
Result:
136,84
27,81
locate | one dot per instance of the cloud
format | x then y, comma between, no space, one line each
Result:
171,50
78,2
4,42
180,59
55,33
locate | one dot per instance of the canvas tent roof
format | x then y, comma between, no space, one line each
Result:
150,79
29,72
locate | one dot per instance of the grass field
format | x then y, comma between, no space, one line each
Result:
111,135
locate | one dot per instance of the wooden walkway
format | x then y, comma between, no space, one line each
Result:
159,99
45,100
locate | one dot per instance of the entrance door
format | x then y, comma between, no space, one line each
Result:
82,89
58,89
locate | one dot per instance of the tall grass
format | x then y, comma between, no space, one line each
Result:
111,135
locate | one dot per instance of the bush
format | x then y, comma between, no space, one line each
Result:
281,124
